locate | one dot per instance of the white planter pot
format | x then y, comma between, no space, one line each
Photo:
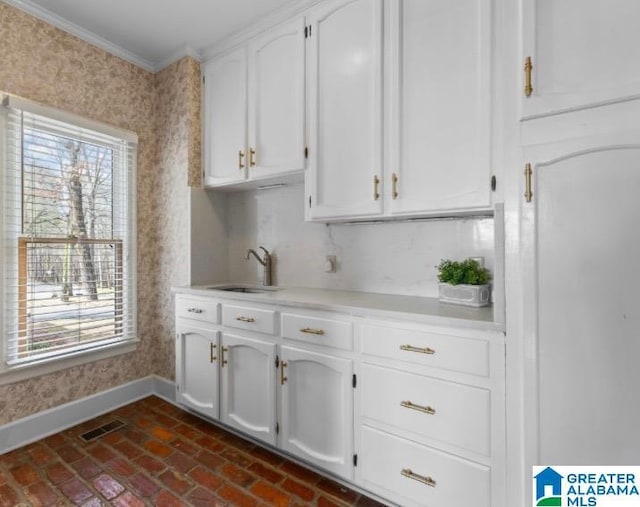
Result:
467,295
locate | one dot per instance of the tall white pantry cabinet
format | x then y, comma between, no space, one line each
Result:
572,215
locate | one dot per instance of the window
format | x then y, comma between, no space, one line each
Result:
68,232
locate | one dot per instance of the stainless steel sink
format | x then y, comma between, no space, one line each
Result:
247,289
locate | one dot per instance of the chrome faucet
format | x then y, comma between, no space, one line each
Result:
265,261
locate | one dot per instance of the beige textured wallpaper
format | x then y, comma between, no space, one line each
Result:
178,163
47,65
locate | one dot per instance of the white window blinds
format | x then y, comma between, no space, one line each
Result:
68,233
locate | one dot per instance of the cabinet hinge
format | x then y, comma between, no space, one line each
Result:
309,201
494,182
203,79
306,152
277,428
277,361
355,460
354,381
307,31
177,387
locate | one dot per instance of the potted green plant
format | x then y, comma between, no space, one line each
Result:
464,282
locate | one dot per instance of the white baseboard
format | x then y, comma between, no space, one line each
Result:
48,422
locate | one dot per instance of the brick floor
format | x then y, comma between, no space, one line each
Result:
165,457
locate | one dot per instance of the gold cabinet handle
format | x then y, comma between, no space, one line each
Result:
528,67
283,379
376,183
309,330
195,310
223,361
420,350
424,479
394,185
252,157
420,408
246,319
240,159
212,352
528,192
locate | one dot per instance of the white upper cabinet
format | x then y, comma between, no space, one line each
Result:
225,119
254,109
582,53
344,50
276,101
441,103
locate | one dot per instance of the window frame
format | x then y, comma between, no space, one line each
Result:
126,248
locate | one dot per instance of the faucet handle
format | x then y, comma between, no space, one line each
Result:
266,252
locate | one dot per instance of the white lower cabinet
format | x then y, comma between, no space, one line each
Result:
410,412
247,387
430,414
428,408
317,409
197,368
415,475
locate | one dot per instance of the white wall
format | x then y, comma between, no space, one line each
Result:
393,258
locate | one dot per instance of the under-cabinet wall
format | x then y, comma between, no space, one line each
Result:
392,258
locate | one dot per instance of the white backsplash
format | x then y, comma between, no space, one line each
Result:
393,258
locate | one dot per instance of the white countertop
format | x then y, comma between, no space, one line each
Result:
360,304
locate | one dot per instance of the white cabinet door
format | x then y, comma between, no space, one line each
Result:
248,386
276,101
317,409
345,116
197,368
582,53
440,96
225,119
580,238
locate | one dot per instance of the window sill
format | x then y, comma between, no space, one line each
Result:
17,373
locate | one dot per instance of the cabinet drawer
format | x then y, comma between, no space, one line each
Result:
442,351
251,319
394,467
203,309
311,329
448,412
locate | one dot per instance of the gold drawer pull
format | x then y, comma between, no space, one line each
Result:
376,183
424,479
283,378
420,408
252,157
223,361
212,352
246,319
195,310
309,330
421,350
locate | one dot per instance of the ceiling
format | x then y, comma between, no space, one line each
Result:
151,33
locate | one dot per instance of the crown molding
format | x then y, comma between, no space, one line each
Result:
176,55
287,11
82,33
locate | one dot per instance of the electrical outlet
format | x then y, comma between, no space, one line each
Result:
330,264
